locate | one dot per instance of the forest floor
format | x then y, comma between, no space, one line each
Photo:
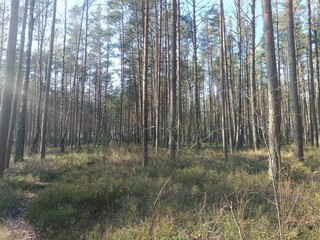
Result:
104,193
16,224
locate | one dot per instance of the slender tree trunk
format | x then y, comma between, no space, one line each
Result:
139,100
145,86
62,103
157,72
18,86
173,89
55,134
318,68
196,80
294,101
313,117
274,132
274,129
74,105
121,75
278,48
38,101
43,19
179,79
165,84
84,74
211,98
48,79
2,34
240,113
253,97
223,81
19,147
8,85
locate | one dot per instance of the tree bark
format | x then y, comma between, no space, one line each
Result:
42,28
62,101
223,82
17,86
3,23
179,79
8,85
145,86
313,116
121,75
157,59
19,147
173,89
273,93
240,112
84,73
196,80
294,101
48,79
253,92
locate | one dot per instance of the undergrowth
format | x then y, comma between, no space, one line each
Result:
106,194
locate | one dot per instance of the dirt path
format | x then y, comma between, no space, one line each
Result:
19,227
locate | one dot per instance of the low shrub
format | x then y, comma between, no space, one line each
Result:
65,207
299,171
109,195
9,198
25,182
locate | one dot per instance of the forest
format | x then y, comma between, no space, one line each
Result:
159,119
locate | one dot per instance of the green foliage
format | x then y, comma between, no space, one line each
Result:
299,171
191,176
102,193
25,182
36,172
65,206
9,198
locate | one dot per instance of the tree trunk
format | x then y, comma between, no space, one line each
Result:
317,68
84,73
294,101
196,80
158,10
62,101
223,82
46,99
274,132
145,86
253,92
313,117
3,23
240,112
179,79
173,89
19,147
17,86
121,75
8,85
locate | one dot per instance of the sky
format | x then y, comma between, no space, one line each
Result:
229,8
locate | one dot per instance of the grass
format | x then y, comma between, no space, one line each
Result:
105,194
